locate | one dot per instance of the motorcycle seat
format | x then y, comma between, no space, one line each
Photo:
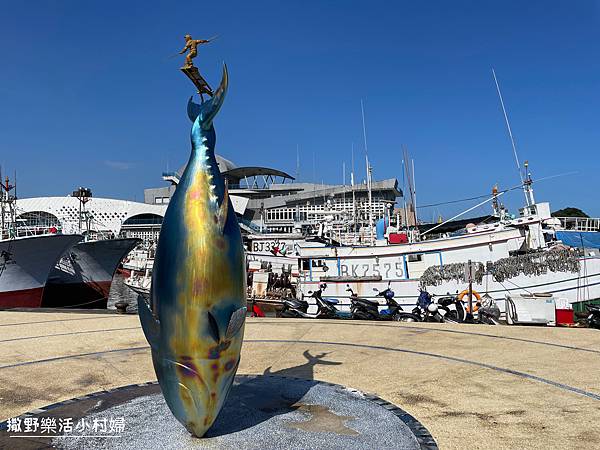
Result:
332,301
368,302
445,301
295,303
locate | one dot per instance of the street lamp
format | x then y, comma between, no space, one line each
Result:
84,195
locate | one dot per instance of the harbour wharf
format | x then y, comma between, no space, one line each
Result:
471,386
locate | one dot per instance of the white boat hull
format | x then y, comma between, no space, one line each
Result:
25,263
574,287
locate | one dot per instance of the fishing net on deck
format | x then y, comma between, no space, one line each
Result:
436,275
554,260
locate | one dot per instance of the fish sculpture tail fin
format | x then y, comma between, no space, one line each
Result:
212,106
209,109
150,324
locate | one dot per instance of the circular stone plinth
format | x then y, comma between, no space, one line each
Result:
261,412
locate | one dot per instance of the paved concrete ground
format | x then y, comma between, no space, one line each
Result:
471,386
261,412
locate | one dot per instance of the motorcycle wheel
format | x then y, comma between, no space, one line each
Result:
594,324
406,317
452,317
362,316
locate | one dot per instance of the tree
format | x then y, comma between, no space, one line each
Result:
569,212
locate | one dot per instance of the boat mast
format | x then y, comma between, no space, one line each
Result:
353,193
414,189
297,162
344,192
410,173
1,206
404,194
526,185
369,170
7,206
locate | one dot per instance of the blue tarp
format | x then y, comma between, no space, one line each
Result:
380,227
587,239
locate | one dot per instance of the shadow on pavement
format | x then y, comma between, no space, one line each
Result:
257,399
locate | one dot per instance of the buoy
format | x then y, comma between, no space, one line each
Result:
475,294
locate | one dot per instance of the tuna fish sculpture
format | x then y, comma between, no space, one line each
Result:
195,323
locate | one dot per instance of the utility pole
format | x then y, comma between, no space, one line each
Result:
469,275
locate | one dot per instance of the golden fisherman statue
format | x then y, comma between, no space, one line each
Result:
191,46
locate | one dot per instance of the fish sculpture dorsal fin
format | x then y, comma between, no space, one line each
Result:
223,209
150,324
235,322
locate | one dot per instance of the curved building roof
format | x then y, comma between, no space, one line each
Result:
223,163
241,172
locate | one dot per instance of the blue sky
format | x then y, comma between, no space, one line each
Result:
88,95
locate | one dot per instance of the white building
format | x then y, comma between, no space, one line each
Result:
270,200
104,215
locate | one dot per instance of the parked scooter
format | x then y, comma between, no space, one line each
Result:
488,312
365,309
593,319
427,310
362,308
451,309
326,307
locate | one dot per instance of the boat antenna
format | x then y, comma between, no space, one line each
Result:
512,139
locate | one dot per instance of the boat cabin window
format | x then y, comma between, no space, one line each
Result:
417,263
308,263
415,258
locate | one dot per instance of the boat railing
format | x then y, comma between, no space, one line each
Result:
249,224
27,231
580,223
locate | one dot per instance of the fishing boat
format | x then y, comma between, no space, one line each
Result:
83,276
510,255
25,263
517,255
27,255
